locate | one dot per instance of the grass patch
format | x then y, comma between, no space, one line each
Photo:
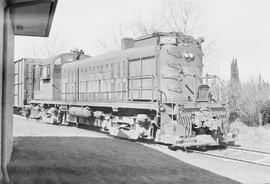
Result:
38,160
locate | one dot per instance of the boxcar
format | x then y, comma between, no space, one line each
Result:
26,77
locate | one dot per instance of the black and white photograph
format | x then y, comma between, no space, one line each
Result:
134,92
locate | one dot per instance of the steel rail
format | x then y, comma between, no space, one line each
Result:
249,150
229,158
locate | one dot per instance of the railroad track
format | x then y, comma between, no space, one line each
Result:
238,154
249,150
224,154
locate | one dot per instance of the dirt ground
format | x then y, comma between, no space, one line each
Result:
256,138
253,137
53,154
242,172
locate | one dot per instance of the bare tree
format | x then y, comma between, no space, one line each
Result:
112,40
49,47
154,23
142,26
145,29
184,16
210,52
188,17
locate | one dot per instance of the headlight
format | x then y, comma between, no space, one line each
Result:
188,56
162,109
191,56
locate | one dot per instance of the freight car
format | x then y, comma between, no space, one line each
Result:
151,89
25,80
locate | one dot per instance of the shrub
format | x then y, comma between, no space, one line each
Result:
265,112
254,106
233,115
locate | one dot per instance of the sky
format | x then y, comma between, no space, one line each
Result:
238,28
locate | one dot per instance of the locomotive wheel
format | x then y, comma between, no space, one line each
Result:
172,147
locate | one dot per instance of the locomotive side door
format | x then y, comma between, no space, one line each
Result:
141,78
134,79
148,77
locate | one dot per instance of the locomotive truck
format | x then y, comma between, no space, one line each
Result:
153,88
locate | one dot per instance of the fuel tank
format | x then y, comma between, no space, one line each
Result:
79,111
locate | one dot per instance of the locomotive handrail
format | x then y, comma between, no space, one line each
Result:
178,56
213,87
177,64
165,95
98,93
213,76
58,90
141,77
169,77
180,67
173,90
140,88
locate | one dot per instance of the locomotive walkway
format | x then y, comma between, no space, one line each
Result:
46,153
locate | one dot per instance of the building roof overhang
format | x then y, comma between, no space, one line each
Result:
31,17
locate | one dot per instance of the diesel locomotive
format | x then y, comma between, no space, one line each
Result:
153,88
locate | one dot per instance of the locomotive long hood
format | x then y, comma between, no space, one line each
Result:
127,54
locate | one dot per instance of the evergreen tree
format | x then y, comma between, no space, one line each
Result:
234,73
234,91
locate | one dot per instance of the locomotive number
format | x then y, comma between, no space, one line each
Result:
167,40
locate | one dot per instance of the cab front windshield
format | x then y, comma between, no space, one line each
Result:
203,93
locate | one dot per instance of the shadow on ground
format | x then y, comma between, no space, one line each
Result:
42,160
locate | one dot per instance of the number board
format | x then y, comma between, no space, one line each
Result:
167,40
